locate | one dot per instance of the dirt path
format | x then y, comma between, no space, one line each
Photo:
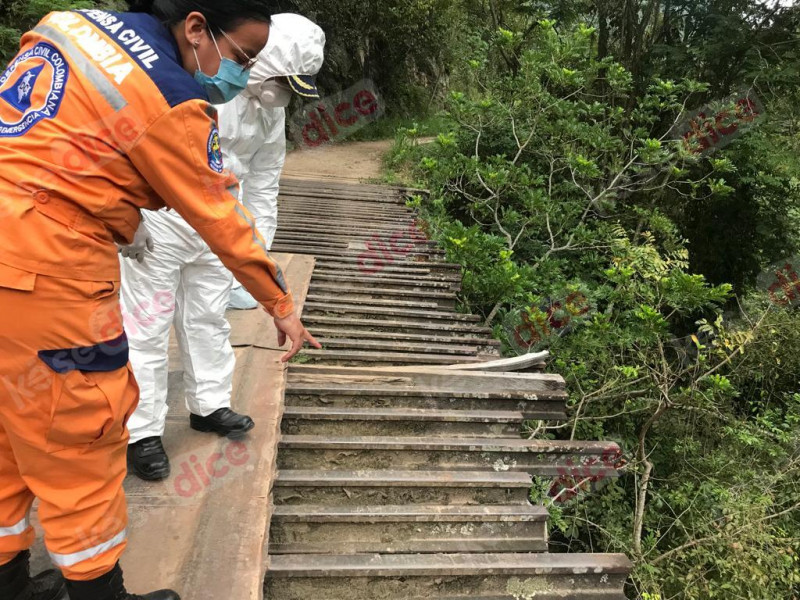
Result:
349,161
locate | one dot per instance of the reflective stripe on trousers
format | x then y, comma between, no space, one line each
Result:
16,529
69,560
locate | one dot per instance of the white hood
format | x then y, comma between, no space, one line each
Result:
296,49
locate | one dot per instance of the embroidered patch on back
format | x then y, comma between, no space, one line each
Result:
31,89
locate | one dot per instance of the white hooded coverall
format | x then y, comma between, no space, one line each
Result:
182,282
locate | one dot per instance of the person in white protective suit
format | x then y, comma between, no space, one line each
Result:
174,278
253,126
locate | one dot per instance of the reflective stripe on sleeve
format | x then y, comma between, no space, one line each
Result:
281,281
17,529
83,64
70,560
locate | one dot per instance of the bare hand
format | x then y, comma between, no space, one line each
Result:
294,329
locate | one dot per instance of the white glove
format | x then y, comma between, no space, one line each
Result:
142,243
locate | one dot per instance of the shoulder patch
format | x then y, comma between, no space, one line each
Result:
31,89
215,151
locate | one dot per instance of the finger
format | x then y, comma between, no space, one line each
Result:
311,340
297,345
150,244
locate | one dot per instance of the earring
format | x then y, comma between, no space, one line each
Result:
196,43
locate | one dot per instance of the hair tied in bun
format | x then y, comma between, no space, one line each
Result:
142,6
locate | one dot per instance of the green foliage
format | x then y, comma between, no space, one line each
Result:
402,45
558,173
18,16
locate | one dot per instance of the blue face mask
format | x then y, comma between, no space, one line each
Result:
229,82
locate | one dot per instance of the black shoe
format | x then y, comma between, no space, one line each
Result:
148,460
16,582
224,422
112,587
49,585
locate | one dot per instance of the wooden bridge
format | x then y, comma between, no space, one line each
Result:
413,482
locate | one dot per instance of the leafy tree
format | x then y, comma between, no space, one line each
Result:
559,177
404,46
18,16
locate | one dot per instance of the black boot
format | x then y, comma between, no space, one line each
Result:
111,587
16,582
148,460
224,422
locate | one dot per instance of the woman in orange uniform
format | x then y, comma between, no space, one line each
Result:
102,115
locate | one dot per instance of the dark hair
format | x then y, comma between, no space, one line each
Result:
220,15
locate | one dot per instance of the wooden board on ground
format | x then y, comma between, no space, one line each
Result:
423,377
201,532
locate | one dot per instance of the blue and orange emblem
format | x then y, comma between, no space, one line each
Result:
215,151
31,89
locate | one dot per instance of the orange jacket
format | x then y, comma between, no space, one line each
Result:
98,119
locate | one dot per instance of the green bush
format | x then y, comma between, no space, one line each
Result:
559,189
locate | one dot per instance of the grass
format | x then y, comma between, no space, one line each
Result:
387,127
300,359
397,163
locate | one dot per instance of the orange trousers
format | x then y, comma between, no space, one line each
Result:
66,393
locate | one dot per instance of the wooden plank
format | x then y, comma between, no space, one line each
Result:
401,414
359,309
452,269
355,300
362,276
405,289
378,388
389,478
448,565
356,333
414,529
415,257
399,326
414,514
179,528
402,422
395,346
434,377
382,357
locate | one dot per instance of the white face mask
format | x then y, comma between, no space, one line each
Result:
275,95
